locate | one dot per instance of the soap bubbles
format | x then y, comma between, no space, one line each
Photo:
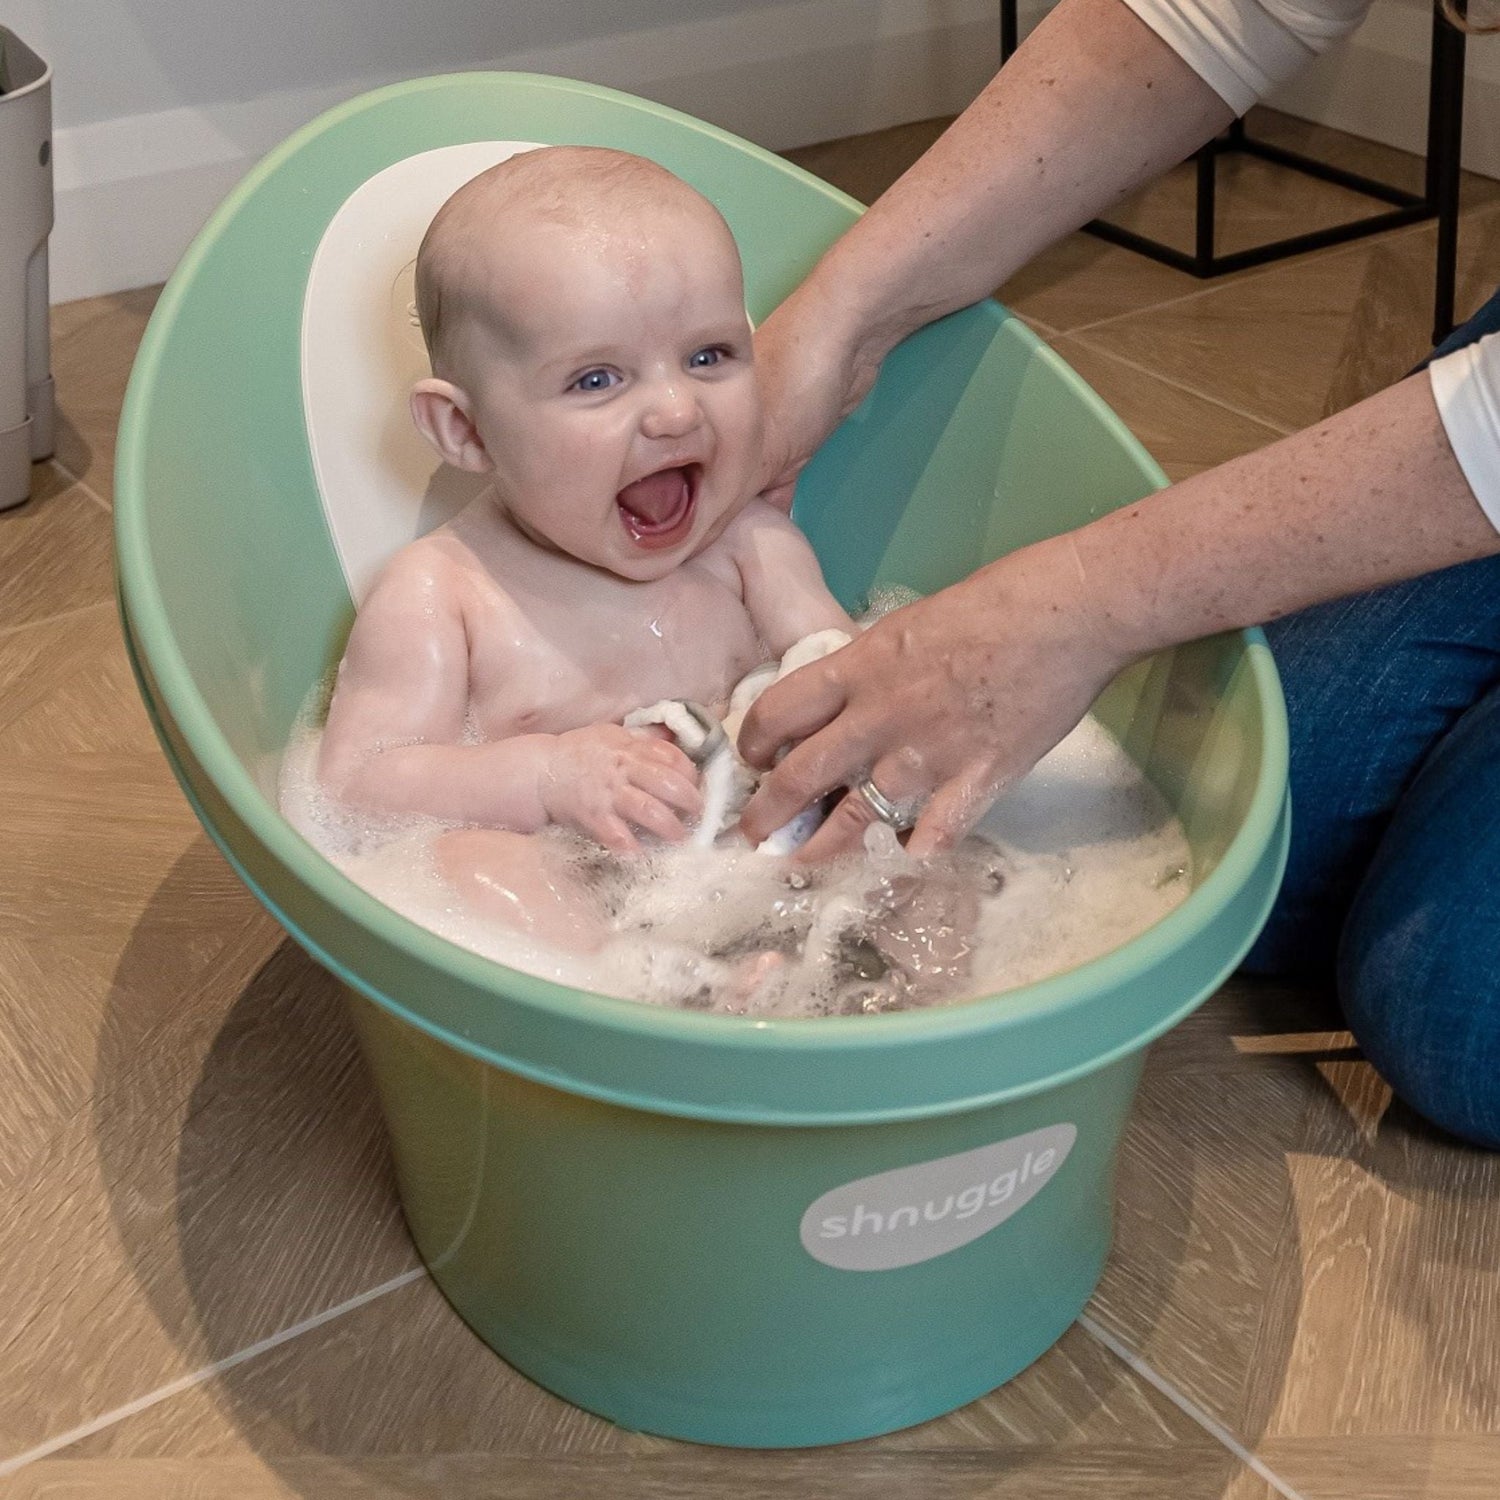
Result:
1067,866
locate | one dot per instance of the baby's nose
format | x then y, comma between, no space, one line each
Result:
671,410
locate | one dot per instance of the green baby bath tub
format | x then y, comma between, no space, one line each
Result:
731,1230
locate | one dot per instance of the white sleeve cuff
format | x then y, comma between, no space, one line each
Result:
1466,387
1243,48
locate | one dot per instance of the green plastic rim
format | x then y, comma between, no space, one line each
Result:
806,1072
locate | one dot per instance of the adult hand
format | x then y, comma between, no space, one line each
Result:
811,377
944,702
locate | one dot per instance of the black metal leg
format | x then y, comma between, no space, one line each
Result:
1008,29
1445,127
1203,246
1409,210
1440,198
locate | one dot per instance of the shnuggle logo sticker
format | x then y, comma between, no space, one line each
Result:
914,1213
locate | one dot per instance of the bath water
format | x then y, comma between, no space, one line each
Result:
1080,856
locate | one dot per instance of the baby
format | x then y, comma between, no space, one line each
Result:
584,314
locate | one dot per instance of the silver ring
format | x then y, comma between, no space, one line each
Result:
897,815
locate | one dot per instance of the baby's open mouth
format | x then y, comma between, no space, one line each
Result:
658,509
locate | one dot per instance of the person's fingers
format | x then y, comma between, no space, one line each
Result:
809,771
611,831
650,816
953,810
792,709
668,784
667,752
843,830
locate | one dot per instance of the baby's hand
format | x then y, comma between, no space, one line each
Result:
606,780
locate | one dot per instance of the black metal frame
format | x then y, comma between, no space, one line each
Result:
1438,199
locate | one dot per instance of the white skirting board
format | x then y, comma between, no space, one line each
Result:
132,192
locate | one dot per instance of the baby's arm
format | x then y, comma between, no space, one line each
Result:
395,726
782,582
392,743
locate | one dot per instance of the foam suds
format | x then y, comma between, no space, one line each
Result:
1079,857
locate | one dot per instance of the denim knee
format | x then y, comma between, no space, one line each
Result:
1373,683
1419,960
1421,1028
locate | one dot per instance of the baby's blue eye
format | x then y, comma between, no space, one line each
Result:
595,380
705,359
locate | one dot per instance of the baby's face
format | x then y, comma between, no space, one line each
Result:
618,401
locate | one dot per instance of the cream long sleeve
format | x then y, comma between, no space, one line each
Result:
1242,49
1466,387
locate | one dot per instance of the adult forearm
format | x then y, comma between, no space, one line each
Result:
1367,497
954,696
1093,104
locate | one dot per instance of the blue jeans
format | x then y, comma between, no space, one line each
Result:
1392,889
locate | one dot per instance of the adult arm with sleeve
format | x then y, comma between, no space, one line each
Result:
1103,96
1243,49
954,697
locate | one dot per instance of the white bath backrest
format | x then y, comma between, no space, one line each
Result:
381,485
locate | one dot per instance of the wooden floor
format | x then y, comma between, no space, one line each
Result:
206,1289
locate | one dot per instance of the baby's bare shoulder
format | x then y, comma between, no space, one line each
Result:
428,561
436,575
762,536
758,519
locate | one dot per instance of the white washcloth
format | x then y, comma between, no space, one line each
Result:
727,780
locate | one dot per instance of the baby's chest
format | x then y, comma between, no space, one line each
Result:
564,663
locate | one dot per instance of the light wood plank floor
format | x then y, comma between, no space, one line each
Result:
205,1286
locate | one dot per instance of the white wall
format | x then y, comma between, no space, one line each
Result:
1375,84
162,105
117,58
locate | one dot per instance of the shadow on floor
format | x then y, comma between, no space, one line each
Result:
276,1187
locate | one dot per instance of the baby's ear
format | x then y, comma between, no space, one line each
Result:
444,416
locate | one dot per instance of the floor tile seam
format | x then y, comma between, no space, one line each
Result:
12,1465
84,485
1189,1408
1279,428
1216,284
1043,330
9,632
